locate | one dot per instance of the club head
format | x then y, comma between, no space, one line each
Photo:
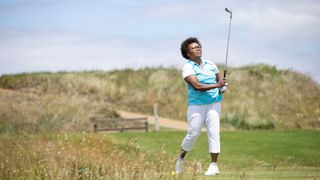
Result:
227,10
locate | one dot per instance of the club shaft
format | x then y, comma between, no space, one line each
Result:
226,61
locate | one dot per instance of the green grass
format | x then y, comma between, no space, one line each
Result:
251,154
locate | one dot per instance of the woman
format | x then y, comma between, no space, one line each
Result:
204,102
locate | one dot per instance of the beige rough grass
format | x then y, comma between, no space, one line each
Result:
81,156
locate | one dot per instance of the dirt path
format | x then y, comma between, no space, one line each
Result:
164,122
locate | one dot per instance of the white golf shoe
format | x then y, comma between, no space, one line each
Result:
179,165
212,170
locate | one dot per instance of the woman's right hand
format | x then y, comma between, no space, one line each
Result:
221,83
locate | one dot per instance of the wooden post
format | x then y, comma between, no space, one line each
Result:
146,124
156,117
95,127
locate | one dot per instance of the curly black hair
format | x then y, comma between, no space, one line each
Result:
184,46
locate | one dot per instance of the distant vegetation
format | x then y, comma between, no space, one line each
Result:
259,97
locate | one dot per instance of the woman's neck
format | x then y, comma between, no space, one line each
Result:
198,61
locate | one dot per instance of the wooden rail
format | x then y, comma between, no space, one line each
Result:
123,124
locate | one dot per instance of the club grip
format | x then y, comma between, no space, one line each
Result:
225,74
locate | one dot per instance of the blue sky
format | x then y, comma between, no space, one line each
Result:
53,35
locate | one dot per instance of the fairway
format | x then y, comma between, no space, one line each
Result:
288,154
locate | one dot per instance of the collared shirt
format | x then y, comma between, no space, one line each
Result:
206,75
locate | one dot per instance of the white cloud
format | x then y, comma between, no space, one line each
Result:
28,52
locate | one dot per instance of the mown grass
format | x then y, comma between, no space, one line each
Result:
246,154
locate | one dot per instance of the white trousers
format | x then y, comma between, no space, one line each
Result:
200,116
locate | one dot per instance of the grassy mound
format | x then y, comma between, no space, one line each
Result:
259,97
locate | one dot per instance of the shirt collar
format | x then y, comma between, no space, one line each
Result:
193,63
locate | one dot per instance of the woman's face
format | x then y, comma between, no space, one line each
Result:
194,51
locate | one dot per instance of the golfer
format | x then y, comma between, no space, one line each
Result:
204,102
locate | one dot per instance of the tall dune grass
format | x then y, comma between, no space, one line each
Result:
261,95
28,112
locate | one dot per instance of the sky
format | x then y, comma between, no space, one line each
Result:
76,35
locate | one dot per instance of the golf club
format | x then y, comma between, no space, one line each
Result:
224,88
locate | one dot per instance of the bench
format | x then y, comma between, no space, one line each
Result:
119,124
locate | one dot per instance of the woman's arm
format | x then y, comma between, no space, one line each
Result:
194,82
219,78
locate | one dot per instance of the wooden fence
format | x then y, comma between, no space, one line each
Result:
123,124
